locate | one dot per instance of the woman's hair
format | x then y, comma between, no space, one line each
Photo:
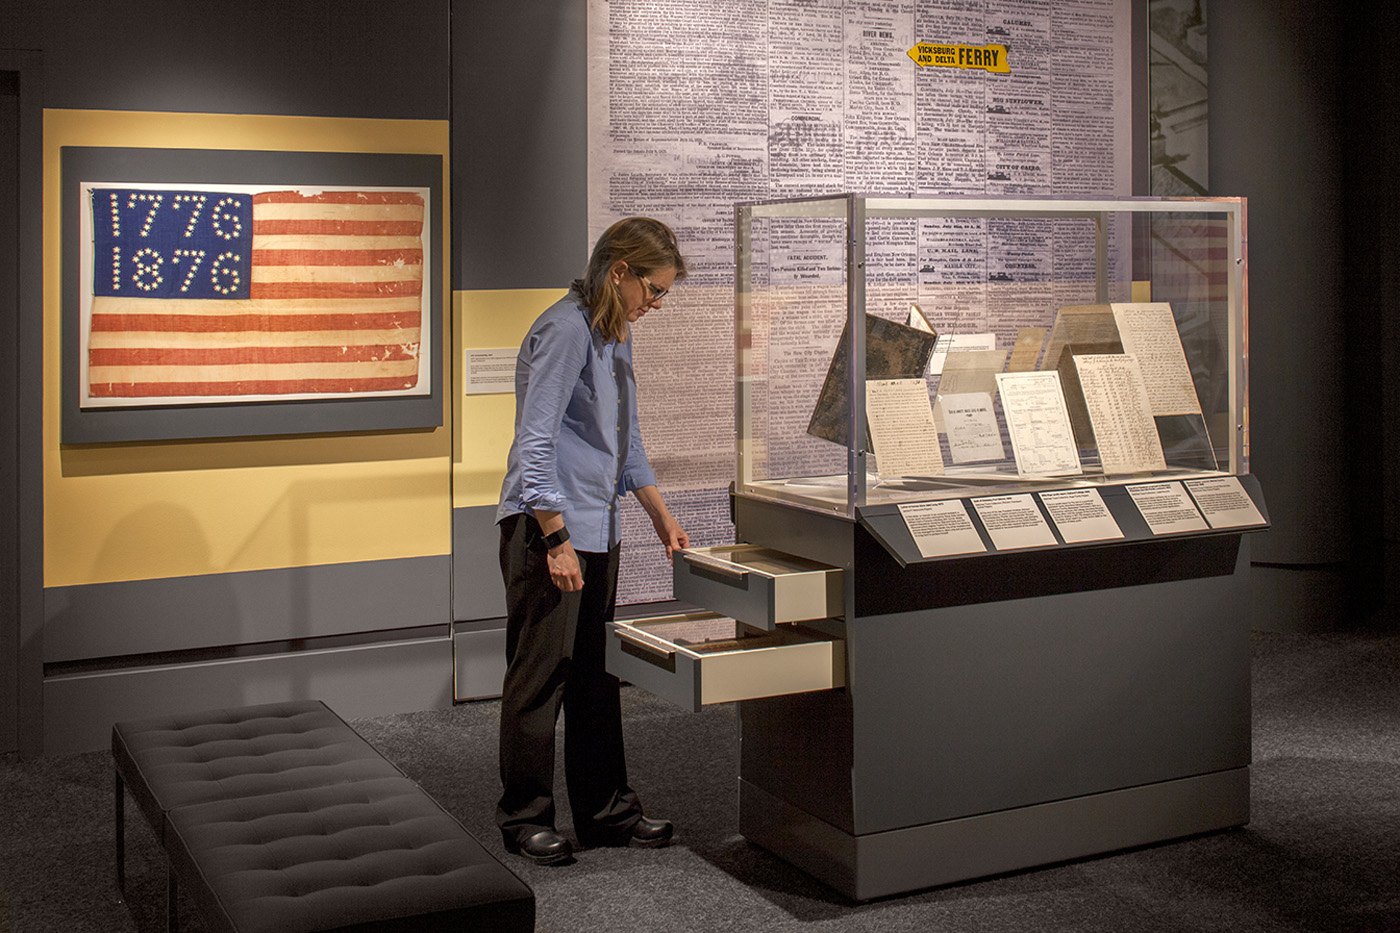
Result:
647,246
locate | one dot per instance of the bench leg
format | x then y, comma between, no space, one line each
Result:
172,894
120,812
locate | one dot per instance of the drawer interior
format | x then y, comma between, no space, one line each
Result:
755,557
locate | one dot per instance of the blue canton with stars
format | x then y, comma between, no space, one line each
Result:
161,243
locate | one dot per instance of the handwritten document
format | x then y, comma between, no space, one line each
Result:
1166,508
1080,515
1224,503
941,528
1148,331
900,419
1014,522
1038,421
1121,413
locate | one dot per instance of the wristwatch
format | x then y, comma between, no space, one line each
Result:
552,541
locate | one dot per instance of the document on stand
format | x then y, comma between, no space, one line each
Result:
1080,515
973,435
950,344
1014,522
942,528
1084,326
1042,439
900,420
1121,414
966,372
1025,353
1224,503
1148,331
1166,508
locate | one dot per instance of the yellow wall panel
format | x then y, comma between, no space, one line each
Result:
141,511
489,318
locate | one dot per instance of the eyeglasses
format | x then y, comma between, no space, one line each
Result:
656,293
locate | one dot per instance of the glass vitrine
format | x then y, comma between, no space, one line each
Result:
892,350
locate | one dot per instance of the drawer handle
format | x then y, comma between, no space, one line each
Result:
719,571
642,648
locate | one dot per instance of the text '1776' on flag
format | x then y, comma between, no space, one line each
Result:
208,295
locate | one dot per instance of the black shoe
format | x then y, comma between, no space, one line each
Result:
647,833
652,834
545,847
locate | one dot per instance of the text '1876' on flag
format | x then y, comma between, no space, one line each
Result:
231,294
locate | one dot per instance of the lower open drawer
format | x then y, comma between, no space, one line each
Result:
695,659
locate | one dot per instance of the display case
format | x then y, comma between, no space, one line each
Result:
1059,344
989,605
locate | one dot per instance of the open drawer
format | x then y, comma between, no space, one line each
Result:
698,658
757,585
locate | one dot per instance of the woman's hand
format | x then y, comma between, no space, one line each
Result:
671,534
667,528
564,569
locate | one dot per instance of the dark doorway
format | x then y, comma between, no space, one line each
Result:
9,411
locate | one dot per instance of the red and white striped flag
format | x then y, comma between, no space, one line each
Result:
213,294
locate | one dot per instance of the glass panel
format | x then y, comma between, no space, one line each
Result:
1111,295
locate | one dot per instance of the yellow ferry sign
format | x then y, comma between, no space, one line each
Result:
987,57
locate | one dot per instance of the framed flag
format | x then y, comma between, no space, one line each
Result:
228,293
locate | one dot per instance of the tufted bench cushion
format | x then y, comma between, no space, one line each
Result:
194,757
370,855
280,817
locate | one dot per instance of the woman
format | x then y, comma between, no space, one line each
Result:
577,449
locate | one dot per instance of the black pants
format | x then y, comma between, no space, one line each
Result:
555,655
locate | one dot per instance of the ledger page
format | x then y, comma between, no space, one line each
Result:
1121,414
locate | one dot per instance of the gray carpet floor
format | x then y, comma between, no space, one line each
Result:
1321,853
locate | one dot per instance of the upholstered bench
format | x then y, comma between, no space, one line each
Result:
280,817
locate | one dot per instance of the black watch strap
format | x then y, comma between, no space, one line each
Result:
552,541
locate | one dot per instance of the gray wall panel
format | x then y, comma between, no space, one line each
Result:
1144,684
478,662
177,613
477,590
519,144
368,680
349,58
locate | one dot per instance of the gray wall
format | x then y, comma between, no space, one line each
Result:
1307,136
519,144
